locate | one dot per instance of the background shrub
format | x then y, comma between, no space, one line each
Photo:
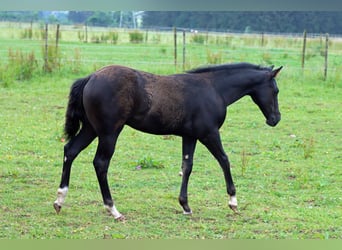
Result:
136,37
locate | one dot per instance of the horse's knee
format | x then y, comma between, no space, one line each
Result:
101,166
100,163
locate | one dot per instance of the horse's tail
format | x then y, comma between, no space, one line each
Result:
75,114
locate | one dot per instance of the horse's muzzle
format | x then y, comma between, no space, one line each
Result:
273,120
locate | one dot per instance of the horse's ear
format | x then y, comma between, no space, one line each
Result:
275,72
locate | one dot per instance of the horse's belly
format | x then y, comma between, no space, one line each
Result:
154,124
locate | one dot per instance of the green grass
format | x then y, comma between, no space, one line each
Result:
288,178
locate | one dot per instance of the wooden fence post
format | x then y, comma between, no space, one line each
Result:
46,49
175,45
184,49
326,56
31,30
57,37
86,33
304,47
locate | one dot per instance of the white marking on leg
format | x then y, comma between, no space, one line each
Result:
186,157
233,201
187,213
61,194
113,211
65,158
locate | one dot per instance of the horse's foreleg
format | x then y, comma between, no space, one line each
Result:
214,145
104,153
71,150
188,148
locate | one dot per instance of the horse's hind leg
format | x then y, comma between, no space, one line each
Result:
104,153
71,150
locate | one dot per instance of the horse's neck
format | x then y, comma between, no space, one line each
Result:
231,90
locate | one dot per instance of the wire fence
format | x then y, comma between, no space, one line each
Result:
168,47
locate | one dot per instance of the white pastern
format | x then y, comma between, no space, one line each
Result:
233,201
187,213
61,194
113,211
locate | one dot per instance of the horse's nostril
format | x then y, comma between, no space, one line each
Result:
273,121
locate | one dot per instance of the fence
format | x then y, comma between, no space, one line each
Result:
82,45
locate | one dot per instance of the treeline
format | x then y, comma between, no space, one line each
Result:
278,21
253,21
94,18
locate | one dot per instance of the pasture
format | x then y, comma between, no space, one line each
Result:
288,178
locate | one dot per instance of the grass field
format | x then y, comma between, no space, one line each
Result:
288,178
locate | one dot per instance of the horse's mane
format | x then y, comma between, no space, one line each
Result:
233,66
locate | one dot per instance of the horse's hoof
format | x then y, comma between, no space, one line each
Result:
187,213
57,207
234,208
121,218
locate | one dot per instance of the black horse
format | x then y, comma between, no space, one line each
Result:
191,105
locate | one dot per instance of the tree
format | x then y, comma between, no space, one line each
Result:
262,21
79,16
100,18
19,16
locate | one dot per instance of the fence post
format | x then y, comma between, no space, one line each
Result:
31,30
183,49
57,37
175,45
304,47
46,49
262,39
326,56
146,35
86,33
